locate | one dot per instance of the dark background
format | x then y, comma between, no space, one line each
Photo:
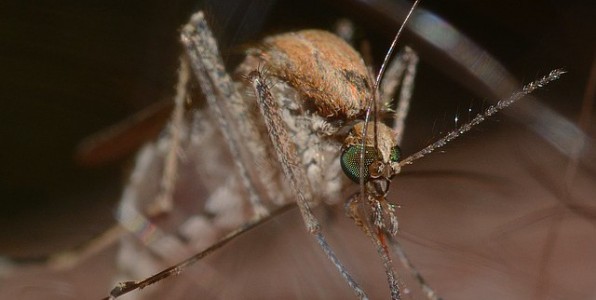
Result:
68,69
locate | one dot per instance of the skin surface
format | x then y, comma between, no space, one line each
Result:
470,228
470,237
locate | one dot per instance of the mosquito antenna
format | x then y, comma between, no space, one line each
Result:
392,47
481,117
386,62
375,91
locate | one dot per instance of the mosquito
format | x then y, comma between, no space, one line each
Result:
300,109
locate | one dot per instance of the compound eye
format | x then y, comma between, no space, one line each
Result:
395,154
350,161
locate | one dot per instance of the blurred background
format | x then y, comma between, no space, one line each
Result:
70,69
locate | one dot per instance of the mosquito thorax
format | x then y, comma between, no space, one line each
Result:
380,161
322,67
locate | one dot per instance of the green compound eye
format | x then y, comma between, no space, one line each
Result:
395,154
350,161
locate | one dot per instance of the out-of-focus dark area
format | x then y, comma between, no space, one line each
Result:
70,69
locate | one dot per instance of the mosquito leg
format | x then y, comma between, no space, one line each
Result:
392,80
138,203
156,247
164,202
128,286
294,172
130,216
426,289
223,98
400,73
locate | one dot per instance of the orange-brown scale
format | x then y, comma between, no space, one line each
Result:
323,67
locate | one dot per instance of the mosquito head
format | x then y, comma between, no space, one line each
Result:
370,153
380,158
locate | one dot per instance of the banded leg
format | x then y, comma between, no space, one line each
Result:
294,172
